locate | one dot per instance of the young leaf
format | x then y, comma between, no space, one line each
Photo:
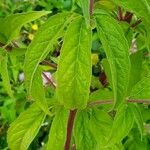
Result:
41,45
135,71
24,129
91,130
16,52
12,24
74,68
5,75
138,117
85,4
84,139
57,135
122,124
107,70
101,94
141,90
100,124
116,48
39,97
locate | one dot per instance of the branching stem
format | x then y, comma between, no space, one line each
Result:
103,102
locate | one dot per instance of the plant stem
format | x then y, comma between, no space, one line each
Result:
91,7
49,80
103,102
128,17
71,119
45,62
7,48
120,14
136,23
138,101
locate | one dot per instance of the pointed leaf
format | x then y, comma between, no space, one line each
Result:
91,129
135,71
138,118
85,4
74,68
122,124
84,140
57,135
101,94
116,48
13,23
141,90
24,129
100,125
42,44
5,75
39,97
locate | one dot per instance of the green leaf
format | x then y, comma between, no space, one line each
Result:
122,124
104,4
24,129
5,75
138,117
42,44
134,141
39,97
74,68
135,71
91,130
107,70
17,52
100,125
85,4
141,90
13,23
101,94
116,48
57,135
84,139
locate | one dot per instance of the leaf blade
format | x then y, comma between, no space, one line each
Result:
42,44
5,76
141,90
23,130
13,23
117,54
72,81
85,4
124,122
138,118
58,129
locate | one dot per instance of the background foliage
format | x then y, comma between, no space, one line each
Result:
13,94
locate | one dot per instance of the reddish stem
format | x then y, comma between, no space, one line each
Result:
128,17
136,23
71,119
91,7
49,80
45,62
138,101
103,102
7,48
120,14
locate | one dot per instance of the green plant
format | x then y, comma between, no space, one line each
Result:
84,116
